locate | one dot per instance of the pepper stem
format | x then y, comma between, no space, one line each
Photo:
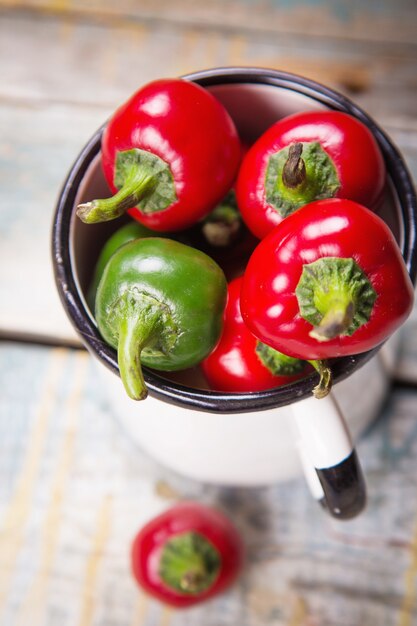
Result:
143,323
294,172
135,187
189,563
222,225
292,182
335,296
143,179
335,322
322,389
133,336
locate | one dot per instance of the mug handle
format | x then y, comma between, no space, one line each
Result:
330,462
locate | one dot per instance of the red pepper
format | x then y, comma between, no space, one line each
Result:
242,363
172,151
304,157
187,554
328,281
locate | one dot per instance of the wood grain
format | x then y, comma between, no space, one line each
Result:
90,489
100,64
386,21
79,71
73,488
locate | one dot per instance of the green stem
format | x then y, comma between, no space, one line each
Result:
335,322
277,363
189,563
323,387
135,332
135,187
335,296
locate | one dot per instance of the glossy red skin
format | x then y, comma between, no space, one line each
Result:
183,517
188,128
333,227
349,143
234,365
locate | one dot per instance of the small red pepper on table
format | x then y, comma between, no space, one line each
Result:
304,157
328,281
170,154
242,363
187,554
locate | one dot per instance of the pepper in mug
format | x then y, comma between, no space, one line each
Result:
328,281
240,362
304,157
160,303
169,154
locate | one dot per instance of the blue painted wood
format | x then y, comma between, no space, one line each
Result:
48,112
349,18
73,488
74,491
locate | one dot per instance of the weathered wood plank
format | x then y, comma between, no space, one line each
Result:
386,21
102,63
37,146
48,112
84,63
74,490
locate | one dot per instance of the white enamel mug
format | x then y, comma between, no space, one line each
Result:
250,438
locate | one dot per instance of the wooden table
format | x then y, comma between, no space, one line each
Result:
73,487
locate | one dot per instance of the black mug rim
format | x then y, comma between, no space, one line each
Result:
199,399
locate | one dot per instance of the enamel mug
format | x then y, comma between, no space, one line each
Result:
242,439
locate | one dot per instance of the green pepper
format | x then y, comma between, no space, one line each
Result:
128,232
160,303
